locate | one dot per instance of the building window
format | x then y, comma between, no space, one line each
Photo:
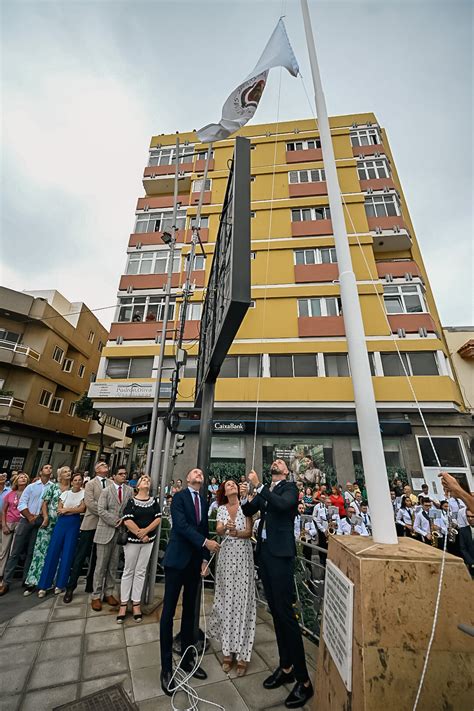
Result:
9,336
197,185
241,366
194,311
322,255
45,398
304,145
373,169
382,206
306,214
365,137
122,368
72,409
91,337
152,262
167,156
199,262
294,366
100,345
159,221
391,450
306,176
203,223
404,299
416,363
323,306
202,155
58,354
81,370
144,308
336,365
57,405
67,365
448,449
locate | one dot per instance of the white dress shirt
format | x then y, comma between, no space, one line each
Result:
422,524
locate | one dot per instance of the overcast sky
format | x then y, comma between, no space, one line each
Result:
86,84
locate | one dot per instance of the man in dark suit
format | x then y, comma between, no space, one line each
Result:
276,550
185,560
466,542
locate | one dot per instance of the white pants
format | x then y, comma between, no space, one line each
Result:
137,556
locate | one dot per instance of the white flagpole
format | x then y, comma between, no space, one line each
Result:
375,471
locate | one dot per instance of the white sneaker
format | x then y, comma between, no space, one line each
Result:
58,591
41,593
28,592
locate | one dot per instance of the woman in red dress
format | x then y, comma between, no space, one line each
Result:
337,499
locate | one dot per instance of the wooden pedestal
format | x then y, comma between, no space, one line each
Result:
395,589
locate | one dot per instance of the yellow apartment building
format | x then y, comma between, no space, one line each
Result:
290,355
49,353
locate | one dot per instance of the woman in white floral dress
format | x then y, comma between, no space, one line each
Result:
233,616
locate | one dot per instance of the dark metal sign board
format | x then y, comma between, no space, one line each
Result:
228,290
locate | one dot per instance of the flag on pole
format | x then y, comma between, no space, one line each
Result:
242,103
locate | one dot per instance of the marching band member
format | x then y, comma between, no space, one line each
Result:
458,511
422,524
347,526
357,503
405,517
366,520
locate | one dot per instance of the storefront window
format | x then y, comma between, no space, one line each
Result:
301,454
391,450
138,452
227,458
448,450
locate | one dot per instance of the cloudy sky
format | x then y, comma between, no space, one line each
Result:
86,84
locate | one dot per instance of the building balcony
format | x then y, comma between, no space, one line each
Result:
311,228
389,240
398,268
311,154
140,331
206,198
316,273
197,166
10,407
307,189
320,326
16,353
203,233
192,330
157,281
157,202
411,323
149,238
155,182
368,150
377,184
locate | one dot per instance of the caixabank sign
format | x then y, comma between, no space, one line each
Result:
228,427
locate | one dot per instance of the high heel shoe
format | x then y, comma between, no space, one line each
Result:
120,618
137,617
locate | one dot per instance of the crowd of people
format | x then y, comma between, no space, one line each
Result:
56,526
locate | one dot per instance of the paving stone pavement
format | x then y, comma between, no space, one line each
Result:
54,653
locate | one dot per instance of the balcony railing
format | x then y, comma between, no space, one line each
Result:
9,401
18,348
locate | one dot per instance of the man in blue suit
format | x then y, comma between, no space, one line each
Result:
185,560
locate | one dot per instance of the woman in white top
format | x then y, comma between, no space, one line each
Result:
405,517
234,613
64,539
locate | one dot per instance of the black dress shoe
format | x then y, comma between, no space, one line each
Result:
299,695
278,678
198,674
68,595
166,684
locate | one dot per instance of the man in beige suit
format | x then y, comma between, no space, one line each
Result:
110,507
92,492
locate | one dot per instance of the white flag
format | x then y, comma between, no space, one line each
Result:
242,103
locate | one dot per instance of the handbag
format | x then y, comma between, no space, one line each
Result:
122,537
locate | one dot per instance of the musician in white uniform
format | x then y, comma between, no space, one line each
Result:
422,524
347,526
405,517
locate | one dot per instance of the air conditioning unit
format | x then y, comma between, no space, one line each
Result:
401,333
181,174
361,156
378,230
408,276
377,154
388,277
369,124
422,332
119,340
354,125
370,191
386,189
146,208
129,289
396,229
